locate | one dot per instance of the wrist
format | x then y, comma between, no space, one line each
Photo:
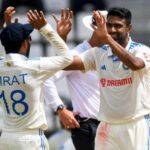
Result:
64,37
46,28
60,108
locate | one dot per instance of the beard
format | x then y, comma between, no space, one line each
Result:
121,39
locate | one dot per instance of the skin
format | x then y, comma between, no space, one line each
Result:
37,19
115,32
105,33
119,30
9,12
25,46
64,26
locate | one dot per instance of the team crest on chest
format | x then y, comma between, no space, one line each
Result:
125,67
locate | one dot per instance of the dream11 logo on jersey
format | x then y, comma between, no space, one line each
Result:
106,82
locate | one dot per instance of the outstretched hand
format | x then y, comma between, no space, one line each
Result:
36,19
9,12
100,30
64,25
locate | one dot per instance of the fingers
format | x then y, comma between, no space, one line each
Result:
72,123
37,14
55,18
31,16
9,12
42,17
36,19
99,18
66,14
69,14
93,27
68,120
62,14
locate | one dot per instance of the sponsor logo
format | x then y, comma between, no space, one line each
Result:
106,82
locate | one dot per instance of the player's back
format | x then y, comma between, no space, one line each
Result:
20,95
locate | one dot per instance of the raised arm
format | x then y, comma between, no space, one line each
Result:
39,22
103,37
64,25
9,12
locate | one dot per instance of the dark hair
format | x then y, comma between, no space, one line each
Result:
120,12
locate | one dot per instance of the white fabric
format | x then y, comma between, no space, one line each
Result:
68,145
87,20
83,88
126,136
2,51
28,140
125,94
1,118
56,41
21,81
61,140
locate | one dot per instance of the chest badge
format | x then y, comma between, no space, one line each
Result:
103,67
125,67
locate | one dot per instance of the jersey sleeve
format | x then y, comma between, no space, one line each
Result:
89,60
56,41
143,52
55,63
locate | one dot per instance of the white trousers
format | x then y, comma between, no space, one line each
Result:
24,140
133,135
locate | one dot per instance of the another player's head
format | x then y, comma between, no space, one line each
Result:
16,38
119,24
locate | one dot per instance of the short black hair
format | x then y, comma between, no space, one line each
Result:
120,12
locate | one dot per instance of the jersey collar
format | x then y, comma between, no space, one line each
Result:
15,57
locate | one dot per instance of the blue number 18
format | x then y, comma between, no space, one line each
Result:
16,102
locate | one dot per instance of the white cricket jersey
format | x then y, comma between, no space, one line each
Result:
125,94
83,88
21,80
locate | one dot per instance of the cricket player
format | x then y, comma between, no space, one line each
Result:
123,67
21,80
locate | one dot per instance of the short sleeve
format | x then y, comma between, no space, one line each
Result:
143,52
89,59
55,63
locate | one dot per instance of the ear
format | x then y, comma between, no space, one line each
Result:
24,47
129,28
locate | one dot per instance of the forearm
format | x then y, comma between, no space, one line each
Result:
51,95
48,32
127,58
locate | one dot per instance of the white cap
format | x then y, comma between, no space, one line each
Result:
87,20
